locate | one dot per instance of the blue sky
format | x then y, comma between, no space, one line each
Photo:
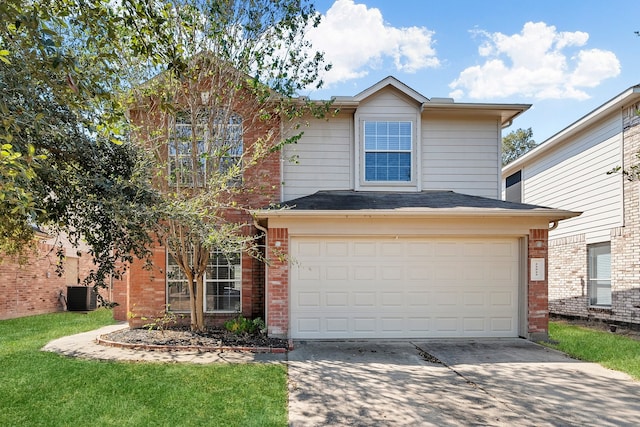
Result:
566,57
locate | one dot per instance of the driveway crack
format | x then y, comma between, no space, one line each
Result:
433,359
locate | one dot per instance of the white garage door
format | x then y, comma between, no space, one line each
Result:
359,287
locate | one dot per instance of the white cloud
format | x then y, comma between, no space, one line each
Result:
539,63
356,39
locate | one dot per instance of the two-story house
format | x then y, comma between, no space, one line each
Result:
594,259
394,228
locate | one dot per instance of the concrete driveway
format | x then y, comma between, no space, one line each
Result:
453,383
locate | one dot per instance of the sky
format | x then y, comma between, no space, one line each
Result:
565,57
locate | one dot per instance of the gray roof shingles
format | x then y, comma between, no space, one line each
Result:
349,200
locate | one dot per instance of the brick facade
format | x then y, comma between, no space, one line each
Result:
537,290
278,282
142,292
34,287
568,276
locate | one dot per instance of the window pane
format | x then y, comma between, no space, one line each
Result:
599,268
223,284
388,166
220,137
388,147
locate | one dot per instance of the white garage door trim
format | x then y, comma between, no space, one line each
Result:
383,287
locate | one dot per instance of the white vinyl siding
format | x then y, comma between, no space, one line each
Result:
574,177
321,160
461,155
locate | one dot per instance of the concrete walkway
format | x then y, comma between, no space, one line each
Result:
84,345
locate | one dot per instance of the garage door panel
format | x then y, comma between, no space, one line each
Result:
392,288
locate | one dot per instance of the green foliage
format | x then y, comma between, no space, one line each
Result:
167,320
41,388
517,143
610,350
60,86
71,70
223,60
241,325
632,173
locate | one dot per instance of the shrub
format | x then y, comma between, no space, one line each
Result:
241,325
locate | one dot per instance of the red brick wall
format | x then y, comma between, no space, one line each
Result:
33,288
146,289
538,303
142,292
143,295
278,282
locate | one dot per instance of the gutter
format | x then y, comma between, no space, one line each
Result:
553,215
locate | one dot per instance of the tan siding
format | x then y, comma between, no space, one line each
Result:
574,177
461,155
388,102
323,158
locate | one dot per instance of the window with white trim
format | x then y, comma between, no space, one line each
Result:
222,283
209,144
599,270
388,151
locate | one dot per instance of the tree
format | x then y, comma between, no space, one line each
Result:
516,143
215,113
59,176
64,163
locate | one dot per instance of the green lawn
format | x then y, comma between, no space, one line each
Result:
45,389
613,351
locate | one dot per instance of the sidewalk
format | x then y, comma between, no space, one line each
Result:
84,346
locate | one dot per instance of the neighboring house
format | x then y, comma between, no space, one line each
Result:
394,228
594,259
34,286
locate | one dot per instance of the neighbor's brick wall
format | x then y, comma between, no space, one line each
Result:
568,276
538,307
625,241
568,292
33,288
278,282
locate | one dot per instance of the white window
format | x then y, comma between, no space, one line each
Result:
210,144
388,147
599,268
222,283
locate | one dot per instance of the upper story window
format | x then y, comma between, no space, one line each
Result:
212,143
388,151
513,187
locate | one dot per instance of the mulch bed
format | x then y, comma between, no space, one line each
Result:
182,339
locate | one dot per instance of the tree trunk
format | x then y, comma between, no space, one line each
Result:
192,300
199,309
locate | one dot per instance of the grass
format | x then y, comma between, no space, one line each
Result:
613,351
46,389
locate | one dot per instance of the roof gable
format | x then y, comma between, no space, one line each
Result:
393,82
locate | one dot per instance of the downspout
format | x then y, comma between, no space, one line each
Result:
553,225
266,269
